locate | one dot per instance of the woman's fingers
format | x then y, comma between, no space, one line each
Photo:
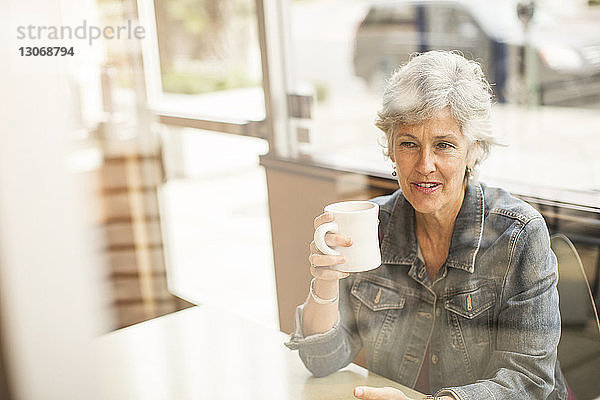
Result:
323,218
321,264
334,239
325,260
327,273
372,393
335,259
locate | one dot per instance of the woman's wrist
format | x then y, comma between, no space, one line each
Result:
325,289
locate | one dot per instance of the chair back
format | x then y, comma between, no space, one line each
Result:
577,304
579,347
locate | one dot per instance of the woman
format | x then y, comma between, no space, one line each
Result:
465,303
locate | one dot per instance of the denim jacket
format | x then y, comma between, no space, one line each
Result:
490,316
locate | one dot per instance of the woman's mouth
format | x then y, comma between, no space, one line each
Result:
426,187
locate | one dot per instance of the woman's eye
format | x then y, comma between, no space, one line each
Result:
407,144
445,145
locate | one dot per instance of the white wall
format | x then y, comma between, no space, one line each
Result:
565,7
49,277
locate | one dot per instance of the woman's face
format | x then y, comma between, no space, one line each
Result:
431,158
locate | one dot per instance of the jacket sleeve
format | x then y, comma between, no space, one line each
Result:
327,352
522,365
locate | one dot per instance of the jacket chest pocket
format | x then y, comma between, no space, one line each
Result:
470,315
377,297
378,308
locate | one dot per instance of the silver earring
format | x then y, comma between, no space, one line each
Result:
469,172
394,171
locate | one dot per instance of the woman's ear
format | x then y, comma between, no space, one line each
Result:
390,147
473,153
390,151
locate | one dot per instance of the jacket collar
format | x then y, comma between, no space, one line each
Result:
399,243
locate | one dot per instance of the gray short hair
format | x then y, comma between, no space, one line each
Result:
432,81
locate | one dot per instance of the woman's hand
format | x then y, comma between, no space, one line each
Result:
321,317
320,264
384,393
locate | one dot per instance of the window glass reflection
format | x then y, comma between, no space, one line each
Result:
344,51
546,82
207,46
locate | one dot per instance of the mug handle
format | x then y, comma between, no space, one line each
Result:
320,238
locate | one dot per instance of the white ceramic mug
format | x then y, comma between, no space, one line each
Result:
358,220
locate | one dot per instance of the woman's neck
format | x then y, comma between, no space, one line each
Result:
434,235
439,225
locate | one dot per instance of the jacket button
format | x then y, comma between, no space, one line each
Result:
425,315
434,359
438,311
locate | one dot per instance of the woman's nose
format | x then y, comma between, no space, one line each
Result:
426,163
